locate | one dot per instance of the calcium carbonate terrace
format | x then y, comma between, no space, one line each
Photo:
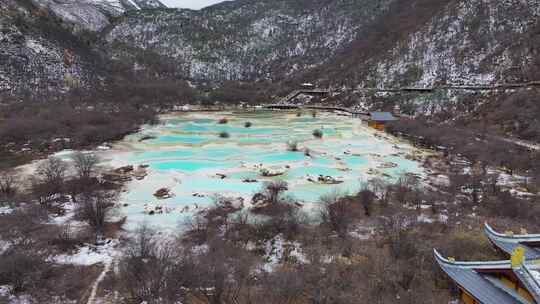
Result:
186,154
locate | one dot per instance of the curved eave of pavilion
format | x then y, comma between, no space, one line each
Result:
483,288
508,243
444,262
516,238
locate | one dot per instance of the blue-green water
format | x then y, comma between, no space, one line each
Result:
186,155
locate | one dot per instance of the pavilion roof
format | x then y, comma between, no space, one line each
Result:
382,116
507,243
480,281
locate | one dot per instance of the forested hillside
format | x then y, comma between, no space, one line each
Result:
247,40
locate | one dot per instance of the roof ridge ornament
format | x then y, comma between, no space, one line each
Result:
518,257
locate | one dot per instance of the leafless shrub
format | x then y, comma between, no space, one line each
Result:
94,208
336,213
366,197
156,272
285,218
52,171
85,164
284,286
23,269
401,242
50,178
8,185
274,190
24,263
65,239
221,274
148,268
21,227
403,188
381,189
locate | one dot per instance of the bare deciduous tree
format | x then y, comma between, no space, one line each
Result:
50,178
52,171
94,207
150,270
336,213
8,185
366,197
274,190
85,164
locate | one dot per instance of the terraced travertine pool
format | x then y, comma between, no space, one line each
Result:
185,153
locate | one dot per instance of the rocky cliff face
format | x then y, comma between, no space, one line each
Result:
93,15
464,42
352,42
343,44
47,45
248,40
34,50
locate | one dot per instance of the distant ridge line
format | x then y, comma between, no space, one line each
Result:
458,87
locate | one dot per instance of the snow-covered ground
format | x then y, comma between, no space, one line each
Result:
91,254
277,249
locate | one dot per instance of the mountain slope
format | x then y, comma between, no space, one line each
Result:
48,46
429,42
40,55
344,43
93,15
247,40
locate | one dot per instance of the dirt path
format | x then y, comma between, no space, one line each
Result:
100,278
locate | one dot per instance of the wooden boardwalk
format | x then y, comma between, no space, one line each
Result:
322,108
286,102
295,93
467,87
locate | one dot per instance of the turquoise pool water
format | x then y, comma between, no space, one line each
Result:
186,155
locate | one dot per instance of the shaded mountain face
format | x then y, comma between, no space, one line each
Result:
247,40
347,42
428,42
39,52
93,15
338,43
47,46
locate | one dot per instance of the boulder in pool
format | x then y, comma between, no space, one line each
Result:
163,193
326,180
147,137
124,170
271,173
140,173
388,165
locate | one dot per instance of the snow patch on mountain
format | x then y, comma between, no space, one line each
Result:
82,15
465,44
266,39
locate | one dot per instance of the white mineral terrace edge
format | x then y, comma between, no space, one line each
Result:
186,154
